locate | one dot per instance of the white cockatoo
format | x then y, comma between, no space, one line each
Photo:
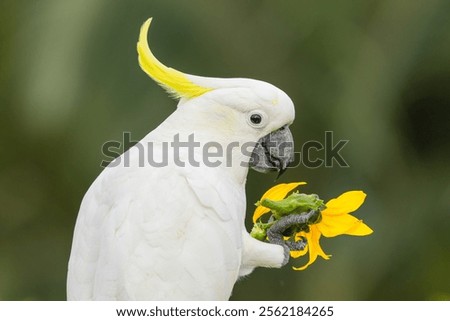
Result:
165,220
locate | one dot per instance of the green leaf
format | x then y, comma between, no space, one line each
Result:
294,203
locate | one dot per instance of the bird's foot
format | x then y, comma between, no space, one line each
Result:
277,232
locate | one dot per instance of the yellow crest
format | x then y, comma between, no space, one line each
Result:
173,81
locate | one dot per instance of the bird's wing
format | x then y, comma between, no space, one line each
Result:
157,233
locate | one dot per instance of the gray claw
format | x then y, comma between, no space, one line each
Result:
275,232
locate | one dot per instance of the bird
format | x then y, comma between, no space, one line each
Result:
165,219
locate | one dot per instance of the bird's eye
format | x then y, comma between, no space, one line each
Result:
256,119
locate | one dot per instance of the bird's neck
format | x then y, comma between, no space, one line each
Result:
204,145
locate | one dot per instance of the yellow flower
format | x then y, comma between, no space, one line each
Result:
336,220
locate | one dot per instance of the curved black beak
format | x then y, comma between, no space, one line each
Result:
273,152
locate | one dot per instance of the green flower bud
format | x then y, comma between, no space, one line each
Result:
259,232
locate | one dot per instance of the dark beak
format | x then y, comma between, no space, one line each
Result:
273,152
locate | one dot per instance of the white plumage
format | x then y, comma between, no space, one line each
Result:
173,232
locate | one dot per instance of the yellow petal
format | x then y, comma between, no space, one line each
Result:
345,203
313,237
359,229
296,254
333,225
276,193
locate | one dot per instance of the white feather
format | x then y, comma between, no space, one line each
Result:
176,233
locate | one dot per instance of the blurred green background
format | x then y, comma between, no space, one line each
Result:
374,72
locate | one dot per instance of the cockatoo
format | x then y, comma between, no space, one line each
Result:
167,223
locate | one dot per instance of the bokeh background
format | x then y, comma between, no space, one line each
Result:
376,73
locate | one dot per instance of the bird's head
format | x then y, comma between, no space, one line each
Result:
254,110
